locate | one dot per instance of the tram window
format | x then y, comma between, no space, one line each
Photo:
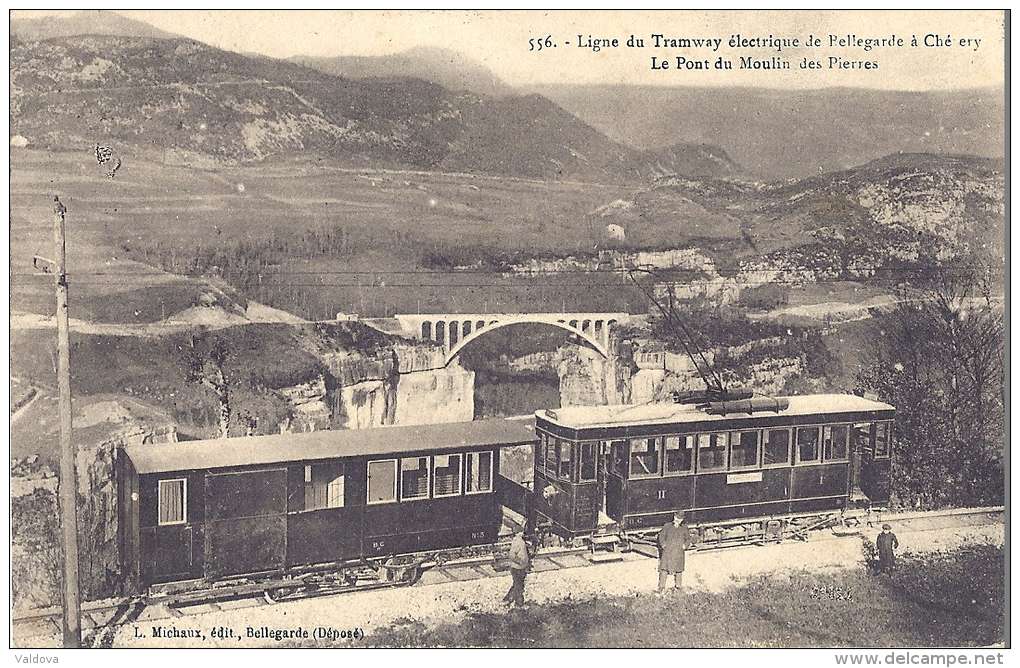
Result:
644,458
551,459
587,463
807,444
712,451
478,472
618,458
563,450
446,473
834,442
414,478
777,448
540,452
744,450
324,485
679,456
382,481
862,438
882,440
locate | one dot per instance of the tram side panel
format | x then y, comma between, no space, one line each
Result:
820,487
651,502
171,547
732,495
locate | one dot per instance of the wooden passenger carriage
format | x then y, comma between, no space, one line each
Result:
636,465
205,510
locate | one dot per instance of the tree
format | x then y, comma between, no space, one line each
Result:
940,361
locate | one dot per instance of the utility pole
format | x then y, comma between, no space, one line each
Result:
68,483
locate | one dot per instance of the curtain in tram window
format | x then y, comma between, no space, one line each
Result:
414,478
478,472
447,474
171,501
335,492
324,485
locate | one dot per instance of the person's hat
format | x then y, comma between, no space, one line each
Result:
887,527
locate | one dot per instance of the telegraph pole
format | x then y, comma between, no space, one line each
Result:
68,478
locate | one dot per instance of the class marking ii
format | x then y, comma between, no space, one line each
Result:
660,40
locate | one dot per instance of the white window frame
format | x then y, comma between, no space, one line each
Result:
656,450
428,478
492,464
846,444
368,481
460,475
791,436
729,455
681,438
184,502
726,451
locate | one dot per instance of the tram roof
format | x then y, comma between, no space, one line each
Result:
666,413
380,441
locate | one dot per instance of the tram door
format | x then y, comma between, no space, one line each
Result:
603,475
860,448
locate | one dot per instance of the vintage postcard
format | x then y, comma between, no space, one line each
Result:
509,329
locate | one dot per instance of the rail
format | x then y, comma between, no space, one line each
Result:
102,618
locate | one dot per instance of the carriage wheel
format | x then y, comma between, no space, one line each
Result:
277,594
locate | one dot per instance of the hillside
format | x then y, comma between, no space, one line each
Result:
779,134
192,104
447,68
904,210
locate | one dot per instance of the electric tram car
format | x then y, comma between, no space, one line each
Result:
204,512
764,460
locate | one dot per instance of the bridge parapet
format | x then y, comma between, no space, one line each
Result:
456,330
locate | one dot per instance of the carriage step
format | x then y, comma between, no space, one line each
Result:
605,557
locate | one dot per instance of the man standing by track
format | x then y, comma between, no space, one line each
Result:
520,562
673,540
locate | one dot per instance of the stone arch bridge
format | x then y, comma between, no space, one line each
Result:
456,330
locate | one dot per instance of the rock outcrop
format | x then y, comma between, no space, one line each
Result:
102,428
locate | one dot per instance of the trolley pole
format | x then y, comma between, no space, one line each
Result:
68,482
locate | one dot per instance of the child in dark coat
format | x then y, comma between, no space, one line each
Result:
886,544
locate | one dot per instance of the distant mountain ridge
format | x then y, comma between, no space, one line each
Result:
450,69
205,104
88,22
779,134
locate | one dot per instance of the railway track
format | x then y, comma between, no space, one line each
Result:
100,620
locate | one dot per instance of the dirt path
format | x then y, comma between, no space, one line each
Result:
25,406
707,571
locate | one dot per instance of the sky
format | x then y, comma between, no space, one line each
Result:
500,41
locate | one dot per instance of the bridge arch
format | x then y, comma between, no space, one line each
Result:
593,342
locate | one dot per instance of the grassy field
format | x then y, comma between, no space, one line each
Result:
392,219
936,600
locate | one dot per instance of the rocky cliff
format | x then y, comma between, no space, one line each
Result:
102,428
